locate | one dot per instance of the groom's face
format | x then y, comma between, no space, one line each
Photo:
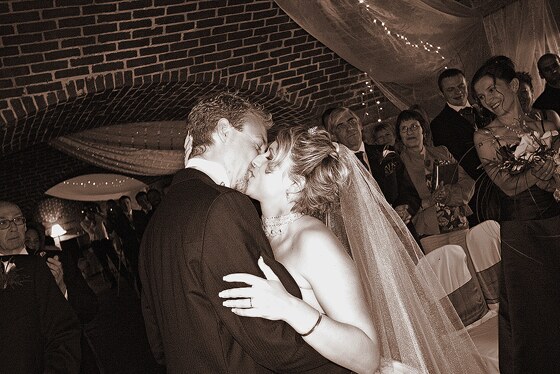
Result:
247,144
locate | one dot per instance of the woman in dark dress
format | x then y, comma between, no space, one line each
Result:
529,328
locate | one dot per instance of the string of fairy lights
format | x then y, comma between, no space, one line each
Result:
369,88
426,45
418,44
117,183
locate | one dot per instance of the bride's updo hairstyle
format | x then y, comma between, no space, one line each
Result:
317,163
496,67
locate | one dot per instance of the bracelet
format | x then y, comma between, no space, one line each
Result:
315,325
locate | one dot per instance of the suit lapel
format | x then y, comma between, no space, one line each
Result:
457,119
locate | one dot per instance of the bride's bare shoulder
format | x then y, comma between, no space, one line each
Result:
314,238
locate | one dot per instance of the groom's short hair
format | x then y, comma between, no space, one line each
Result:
204,116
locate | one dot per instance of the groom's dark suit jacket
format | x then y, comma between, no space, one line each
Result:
199,233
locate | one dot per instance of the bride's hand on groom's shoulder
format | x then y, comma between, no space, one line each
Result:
265,298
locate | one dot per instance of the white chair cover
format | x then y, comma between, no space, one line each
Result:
483,243
449,263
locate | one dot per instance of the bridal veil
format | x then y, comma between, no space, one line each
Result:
416,323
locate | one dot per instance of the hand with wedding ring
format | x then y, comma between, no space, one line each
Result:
265,298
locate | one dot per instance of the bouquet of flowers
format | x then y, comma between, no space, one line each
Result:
532,148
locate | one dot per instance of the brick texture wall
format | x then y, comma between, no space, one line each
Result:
71,65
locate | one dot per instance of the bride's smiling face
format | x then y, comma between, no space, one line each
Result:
270,175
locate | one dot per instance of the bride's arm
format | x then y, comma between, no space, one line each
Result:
346,335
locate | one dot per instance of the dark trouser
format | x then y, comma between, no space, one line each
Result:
131,249
529,322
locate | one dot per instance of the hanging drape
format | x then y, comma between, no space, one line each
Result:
524,31
154,148
396,42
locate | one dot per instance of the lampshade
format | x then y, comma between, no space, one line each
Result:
57,230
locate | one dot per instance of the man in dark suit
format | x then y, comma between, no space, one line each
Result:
204,229
454,128
382,162
39,332
549,70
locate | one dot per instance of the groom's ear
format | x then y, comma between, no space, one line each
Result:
223,130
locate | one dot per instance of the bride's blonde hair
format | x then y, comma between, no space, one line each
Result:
316,164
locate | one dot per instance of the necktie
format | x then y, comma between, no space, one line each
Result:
469,114
360,155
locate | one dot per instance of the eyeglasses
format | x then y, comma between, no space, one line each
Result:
5,223
351,122
411,128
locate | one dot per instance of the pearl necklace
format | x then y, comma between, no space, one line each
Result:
274,226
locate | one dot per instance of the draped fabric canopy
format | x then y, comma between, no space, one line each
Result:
404,44
147,148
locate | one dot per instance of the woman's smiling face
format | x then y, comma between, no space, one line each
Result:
496,95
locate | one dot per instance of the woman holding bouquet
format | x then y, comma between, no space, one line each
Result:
516,152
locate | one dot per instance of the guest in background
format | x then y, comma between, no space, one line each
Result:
95,226
79,294
526,96
39,332
428,138
454,128
137,218
142,200
81,297
549,70
382,162
154,197
384,134
120,223
445,206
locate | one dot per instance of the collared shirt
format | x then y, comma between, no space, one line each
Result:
213,169
364,155
458,108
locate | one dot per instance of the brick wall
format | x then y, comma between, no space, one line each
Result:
70,65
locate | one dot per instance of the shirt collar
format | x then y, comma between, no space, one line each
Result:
458,108
213,169
361,149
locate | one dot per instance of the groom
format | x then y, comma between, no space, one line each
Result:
205,228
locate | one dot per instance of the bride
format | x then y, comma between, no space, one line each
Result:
366,305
